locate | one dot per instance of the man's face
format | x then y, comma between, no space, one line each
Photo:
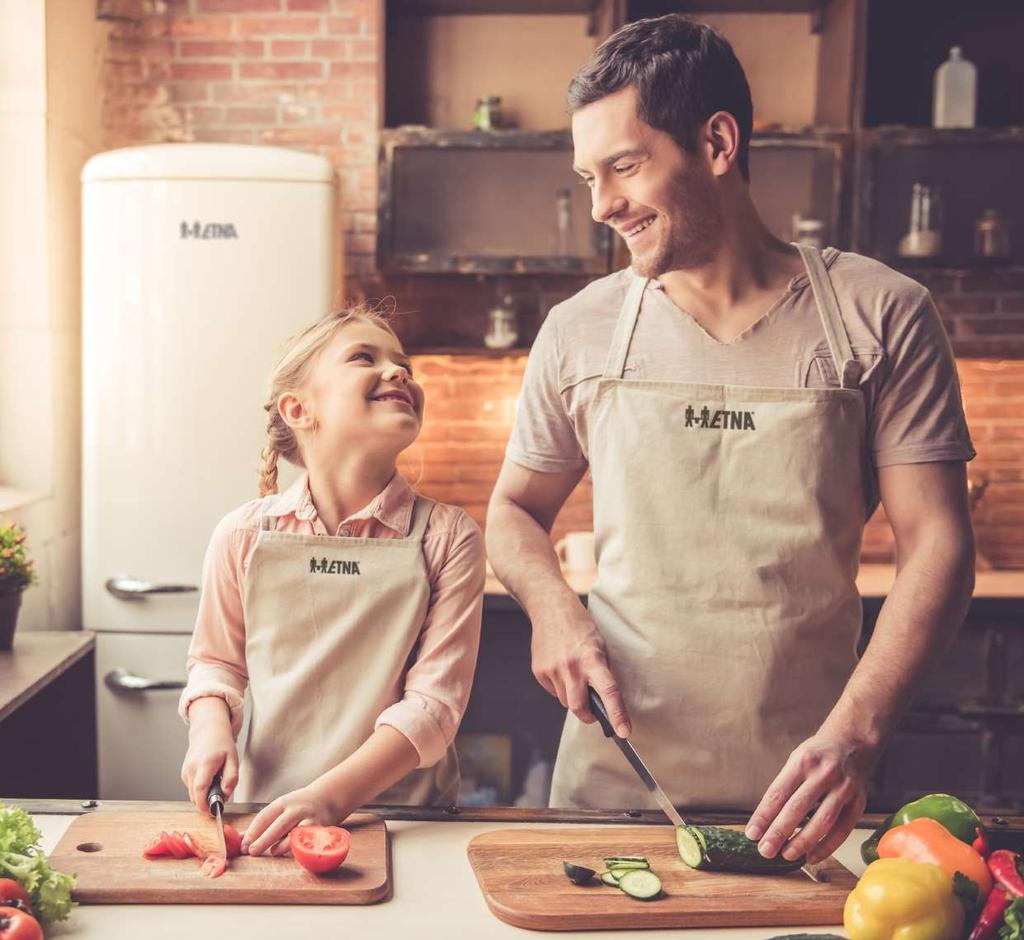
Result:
662,200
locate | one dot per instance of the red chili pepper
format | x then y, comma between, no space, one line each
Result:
1003,865
980,844
991,917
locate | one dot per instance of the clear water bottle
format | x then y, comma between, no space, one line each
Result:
956,83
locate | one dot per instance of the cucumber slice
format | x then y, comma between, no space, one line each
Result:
609,879
626,864
626,858
577,874
641,883
711,848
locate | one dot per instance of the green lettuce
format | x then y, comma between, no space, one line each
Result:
1013,921
22,859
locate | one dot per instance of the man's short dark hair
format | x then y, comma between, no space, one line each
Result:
683,73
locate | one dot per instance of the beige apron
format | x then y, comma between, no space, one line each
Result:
728,523
332,626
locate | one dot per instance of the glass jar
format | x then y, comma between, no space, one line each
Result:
487,115
502,325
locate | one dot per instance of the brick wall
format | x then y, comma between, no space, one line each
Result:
304,74
307,74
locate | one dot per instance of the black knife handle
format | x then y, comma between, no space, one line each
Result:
215,795
600,712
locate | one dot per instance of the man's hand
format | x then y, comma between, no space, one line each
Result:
270,828
569,655
830,769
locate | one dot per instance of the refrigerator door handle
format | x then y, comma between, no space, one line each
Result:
132,589
121,680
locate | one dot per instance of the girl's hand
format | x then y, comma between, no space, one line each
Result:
273,823
211,748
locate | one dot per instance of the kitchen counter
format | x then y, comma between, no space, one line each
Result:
873,581
36,660
435,895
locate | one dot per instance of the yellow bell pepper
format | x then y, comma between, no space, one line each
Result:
897,899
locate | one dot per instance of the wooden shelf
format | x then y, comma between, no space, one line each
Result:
895,135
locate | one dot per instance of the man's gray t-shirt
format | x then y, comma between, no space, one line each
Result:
909,380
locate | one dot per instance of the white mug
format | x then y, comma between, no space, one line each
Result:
576,551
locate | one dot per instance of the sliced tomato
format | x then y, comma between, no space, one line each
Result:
193,845
155,848
12,894
214,866
319,849
232,840
175,844
17,925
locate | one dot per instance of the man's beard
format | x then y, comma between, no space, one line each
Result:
692,232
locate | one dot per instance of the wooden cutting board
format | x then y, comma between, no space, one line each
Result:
520,875
105,850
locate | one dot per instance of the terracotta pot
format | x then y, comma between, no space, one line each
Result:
9,604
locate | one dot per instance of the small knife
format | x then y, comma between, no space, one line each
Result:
601,714
215,800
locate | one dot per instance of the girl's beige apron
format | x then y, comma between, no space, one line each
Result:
332,626
728,523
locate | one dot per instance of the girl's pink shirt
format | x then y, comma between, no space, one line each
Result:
437,684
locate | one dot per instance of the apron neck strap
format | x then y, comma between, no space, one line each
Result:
616,362
421,510
847,367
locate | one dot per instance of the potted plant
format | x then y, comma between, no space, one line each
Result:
16,574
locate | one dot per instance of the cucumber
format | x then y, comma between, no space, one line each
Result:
577,874
641,883
622,859
711,848
609,879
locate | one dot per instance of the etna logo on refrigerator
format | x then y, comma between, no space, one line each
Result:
202,230
324,566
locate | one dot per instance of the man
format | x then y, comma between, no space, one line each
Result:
741,416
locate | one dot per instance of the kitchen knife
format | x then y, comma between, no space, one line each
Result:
215,800
601,714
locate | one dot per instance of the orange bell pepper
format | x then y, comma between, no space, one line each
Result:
925,840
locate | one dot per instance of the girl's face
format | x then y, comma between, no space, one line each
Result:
361,390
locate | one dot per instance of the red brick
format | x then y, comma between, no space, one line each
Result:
312,6
128,50
299,113
221,49
992,281
288,47
988,326
268,92
279,26
354,69
204,114
280,70
200,27
330,48
201,71
344,25
296,136
262,116
364,50
221,135
1011,303
967,303
182,92
238,6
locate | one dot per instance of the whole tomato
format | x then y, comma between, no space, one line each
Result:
17,925
12,894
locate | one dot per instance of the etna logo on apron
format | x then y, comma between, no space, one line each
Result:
724,419
323,566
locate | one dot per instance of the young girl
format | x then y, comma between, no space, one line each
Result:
349,604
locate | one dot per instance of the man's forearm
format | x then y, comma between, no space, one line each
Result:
918,621
523,558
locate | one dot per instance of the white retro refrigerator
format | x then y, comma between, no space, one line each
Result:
199,260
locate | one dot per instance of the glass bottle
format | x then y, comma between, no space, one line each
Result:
565,241
955,92
502,325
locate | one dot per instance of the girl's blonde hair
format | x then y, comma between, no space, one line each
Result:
290,373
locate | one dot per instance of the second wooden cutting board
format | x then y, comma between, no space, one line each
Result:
105,850
520,875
